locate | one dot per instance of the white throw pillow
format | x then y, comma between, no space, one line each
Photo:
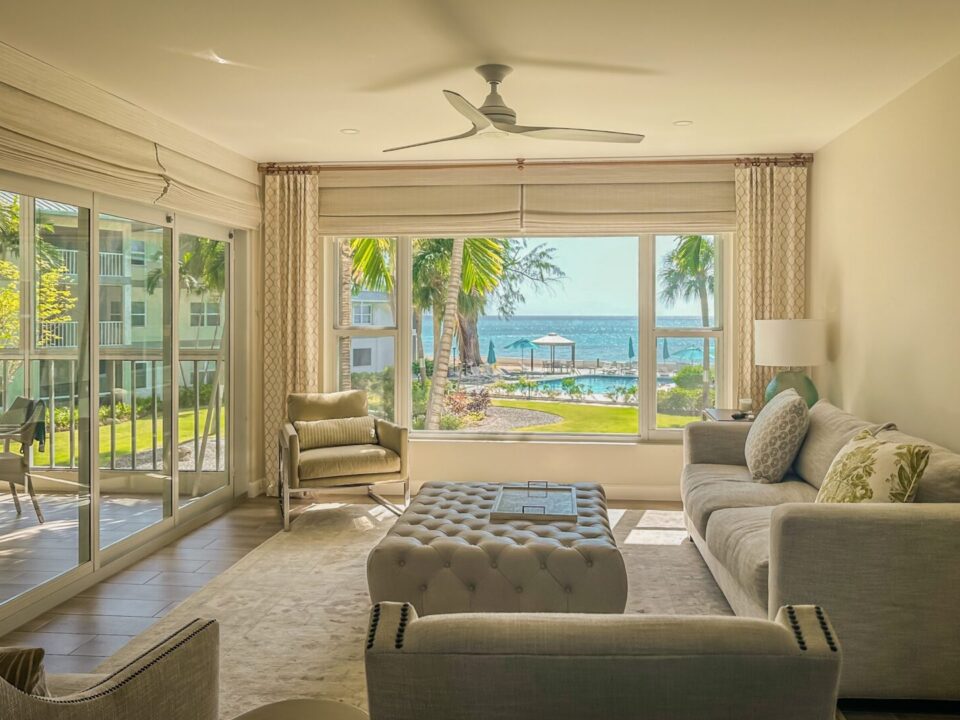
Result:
333,433
869,470
776,436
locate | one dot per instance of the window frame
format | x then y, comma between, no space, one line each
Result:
141,314
647,337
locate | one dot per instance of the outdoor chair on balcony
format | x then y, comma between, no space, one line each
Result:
22,423
329,440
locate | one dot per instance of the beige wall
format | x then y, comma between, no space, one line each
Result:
884,261
628,471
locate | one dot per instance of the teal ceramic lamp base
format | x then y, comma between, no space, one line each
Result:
796,380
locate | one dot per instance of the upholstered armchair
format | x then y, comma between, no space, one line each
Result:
175,680
527,666
329,440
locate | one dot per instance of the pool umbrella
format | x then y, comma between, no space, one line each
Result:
690,355
521,345
630,353
666,350
491,355
553,341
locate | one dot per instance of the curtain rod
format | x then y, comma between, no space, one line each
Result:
520,163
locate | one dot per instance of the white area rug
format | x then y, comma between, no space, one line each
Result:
293,612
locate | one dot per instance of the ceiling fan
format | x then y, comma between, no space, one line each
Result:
495,117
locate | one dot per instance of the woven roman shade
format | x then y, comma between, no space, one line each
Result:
48,140
537,198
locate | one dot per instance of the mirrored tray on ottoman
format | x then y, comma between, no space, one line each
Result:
535,502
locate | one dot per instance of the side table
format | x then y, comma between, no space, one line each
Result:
725,415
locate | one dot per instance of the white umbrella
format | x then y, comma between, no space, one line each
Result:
553,341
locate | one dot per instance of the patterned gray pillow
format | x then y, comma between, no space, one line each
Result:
776,436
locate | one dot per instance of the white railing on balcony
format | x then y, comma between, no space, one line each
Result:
57,334
64,334
111,332
111,264
68,259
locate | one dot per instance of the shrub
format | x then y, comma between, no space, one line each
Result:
690,377
461,402
682,401
451,422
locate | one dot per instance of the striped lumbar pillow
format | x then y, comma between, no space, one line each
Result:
331,433
23,668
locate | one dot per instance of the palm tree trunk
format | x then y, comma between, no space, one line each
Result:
346,313
441,355
421,362
705,315
469,341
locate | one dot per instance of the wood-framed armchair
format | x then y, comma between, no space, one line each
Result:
381,460
22,423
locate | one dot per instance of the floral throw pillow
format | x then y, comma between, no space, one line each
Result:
776,436
869,470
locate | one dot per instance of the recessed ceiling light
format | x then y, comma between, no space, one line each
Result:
350,131
683,123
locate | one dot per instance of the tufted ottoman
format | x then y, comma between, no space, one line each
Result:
445,555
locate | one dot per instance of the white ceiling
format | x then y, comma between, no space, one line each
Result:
755,76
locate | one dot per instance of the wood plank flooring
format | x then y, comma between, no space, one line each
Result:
80,633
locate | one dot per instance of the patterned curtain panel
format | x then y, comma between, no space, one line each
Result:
771,209
292,301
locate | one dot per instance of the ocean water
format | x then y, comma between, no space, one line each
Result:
598,337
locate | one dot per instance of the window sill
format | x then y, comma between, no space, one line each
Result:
422,436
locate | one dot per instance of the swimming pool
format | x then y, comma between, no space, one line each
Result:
592,384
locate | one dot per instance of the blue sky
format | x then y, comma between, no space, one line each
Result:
601,279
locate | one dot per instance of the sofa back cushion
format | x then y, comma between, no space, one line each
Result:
941,479
830,429
336,433
326,406
775,437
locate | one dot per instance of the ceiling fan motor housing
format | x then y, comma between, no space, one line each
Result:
493,106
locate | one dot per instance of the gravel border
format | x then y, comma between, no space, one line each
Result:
504,419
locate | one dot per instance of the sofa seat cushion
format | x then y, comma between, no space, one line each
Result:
740,539
328,462
708,488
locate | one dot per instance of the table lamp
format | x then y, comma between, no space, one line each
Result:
790,344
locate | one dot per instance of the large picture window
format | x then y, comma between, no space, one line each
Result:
566,336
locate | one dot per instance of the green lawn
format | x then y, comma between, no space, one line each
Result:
580,418
124,434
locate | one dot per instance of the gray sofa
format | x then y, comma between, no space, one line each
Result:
888,574
530,666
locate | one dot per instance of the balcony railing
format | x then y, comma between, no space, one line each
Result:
65,334
111,333
68,260
111,264
131,417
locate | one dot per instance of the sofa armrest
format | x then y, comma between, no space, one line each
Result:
396,438
888,576
716,443
289,443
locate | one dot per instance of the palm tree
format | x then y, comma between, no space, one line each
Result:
688,273
441,355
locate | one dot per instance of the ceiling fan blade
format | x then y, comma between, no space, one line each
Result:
574,134
465,108
584,66
468,133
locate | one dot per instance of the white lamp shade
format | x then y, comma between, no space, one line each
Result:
790,343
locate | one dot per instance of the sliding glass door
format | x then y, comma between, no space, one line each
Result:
135,403
114,381
45,470
203,372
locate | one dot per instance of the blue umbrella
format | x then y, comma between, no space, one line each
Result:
523,344
666,350
630,353
491,355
